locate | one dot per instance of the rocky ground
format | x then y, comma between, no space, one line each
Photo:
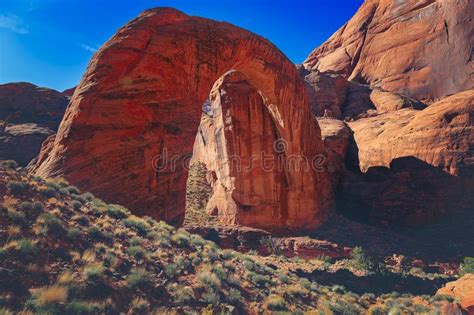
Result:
64,251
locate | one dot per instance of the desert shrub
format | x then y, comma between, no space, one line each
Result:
271,244
77,307
48,300
295,291
73,190
153,235
26,248
135,241
249,265
138,278
211,297
48,192
338,289
467,266
139,306
443,297
138,224
93,273
31,206
234,297
9,164
419,308
49,224
117,212
227,254
88,196
184,295
5,311
275,303
360,259
17,188
305,283
376,310
171,270
13,231
283,278
81,219
220,272
181,238
76,205
259,280
17,217
197,241
74,234
209,280
100,236
137,252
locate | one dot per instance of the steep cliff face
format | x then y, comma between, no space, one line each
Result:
420,48
132,121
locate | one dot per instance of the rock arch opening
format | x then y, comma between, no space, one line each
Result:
133,118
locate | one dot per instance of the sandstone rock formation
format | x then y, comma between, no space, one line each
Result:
21,142
331,95
326,92
27,103
440,135
134,116
419,48
463,290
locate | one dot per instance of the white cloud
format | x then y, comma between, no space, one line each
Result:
13,23
89,48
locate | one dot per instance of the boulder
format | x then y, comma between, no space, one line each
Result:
419,48
129,130
462,290
21,142
27,103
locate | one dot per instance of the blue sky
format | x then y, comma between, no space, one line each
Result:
50,42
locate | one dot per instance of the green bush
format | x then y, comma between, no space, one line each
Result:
49,192
139,307
77,307
209,280
138,278
17,188
467,266
49,224
73,190
117,212
137,224
137,252
360,259
26,248
76,205
181,238
9,164
17,217
93,273
275,303
97,235
184,295
75,234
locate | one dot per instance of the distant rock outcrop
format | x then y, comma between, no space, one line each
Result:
27,103
22,142
419,48
463,290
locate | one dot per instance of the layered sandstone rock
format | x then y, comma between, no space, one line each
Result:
463,290
418,164
440,135
326,92
27,103
133,118
21,142
422,49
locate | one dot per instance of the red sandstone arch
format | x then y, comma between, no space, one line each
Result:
140,98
